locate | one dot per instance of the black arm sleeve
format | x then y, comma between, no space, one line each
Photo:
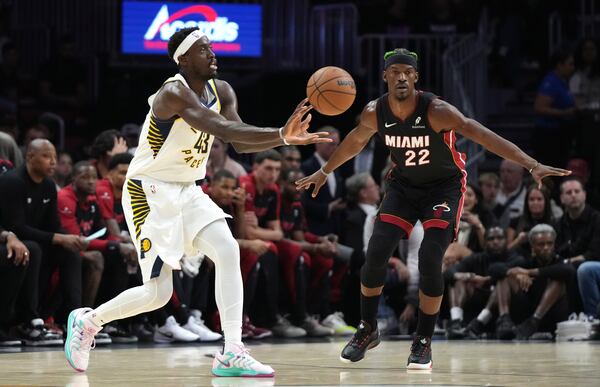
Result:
12,207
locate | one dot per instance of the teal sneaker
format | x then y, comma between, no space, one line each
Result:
240,363
80,339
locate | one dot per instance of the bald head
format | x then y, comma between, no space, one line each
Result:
511,176
41,159
39,145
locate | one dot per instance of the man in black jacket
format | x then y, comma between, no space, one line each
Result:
321,211
28,207
534,287
470,286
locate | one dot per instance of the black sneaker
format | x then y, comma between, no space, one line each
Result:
36,334
364,339
527,328
474,329
505,328
455,330
8,341
119,335
420,354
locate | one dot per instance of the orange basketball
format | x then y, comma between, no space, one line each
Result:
331,90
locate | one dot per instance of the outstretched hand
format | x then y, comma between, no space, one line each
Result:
540,171
318,179
295,131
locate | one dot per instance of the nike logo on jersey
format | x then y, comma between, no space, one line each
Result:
389,125
45,201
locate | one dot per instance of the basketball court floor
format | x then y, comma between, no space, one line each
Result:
316,364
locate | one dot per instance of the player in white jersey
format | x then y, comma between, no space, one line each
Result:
168,215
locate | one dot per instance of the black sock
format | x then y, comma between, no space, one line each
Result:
368,309
426,323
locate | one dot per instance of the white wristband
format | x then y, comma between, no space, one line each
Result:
323,172
281,135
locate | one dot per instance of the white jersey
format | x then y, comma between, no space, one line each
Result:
173,151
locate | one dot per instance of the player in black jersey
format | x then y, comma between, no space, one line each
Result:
427,183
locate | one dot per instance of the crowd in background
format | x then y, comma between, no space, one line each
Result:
526,257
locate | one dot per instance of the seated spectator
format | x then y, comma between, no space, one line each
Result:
489,184
321,212
471,228
105,145
291,157
532,290
9,150
327,268
580,168
131,133
80,215
258,260
263,206
579,228
555,108
64,168
588,278
19,274
510,200
219,159
109,192
28,207
470,287
585,82
537,210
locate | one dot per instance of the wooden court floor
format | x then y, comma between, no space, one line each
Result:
317,364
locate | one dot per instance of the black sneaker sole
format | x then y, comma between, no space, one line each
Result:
370,346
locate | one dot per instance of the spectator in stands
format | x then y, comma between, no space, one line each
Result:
580,168
470,287
532,287
327,268
585,82
80,214
28,208
263,206
474,221
291,157
64,169
537,210
105,145
555,109
489,184
321,211
511,197
219,159
9,151
131,133
258,260
579,228
63,78
108,193
19,275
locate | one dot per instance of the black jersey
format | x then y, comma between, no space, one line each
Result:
421,156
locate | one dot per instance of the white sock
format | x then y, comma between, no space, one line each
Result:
484,316
456,313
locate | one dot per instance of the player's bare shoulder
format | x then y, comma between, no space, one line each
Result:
170,99
225,91
368,116
442,115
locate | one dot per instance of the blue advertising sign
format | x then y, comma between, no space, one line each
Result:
234,30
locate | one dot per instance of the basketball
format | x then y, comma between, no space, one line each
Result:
331,90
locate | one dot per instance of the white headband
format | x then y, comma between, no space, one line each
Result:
186,44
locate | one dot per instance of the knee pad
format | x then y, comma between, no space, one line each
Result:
433,247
